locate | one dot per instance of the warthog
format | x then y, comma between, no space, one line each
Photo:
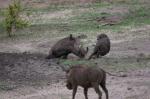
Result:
66,46
86,77
102,46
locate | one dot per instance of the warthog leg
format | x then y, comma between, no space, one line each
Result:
92,55
97,90
103,85
65,56
85,93
74,92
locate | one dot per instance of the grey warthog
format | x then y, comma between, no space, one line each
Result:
66,46
86,77
102,46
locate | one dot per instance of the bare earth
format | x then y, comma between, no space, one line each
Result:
36,78
30,76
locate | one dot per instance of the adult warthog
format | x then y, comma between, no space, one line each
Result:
86,77
66,46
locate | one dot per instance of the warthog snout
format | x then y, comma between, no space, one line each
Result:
82,52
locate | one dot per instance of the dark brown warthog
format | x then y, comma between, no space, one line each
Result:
86,77
102,46
66,46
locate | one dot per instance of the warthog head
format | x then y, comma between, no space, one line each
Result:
83,52
66,46
80,51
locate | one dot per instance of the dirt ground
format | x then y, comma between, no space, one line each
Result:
122,88
26,74
30,76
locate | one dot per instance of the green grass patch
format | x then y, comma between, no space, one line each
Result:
1,27
111,64
1,12
94,5
64,6
50,8
123,64
77,62
137,17
86,21
5,86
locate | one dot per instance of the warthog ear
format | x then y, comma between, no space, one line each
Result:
71,37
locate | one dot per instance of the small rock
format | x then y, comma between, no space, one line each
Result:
48,83
112,78
129,88
124,75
